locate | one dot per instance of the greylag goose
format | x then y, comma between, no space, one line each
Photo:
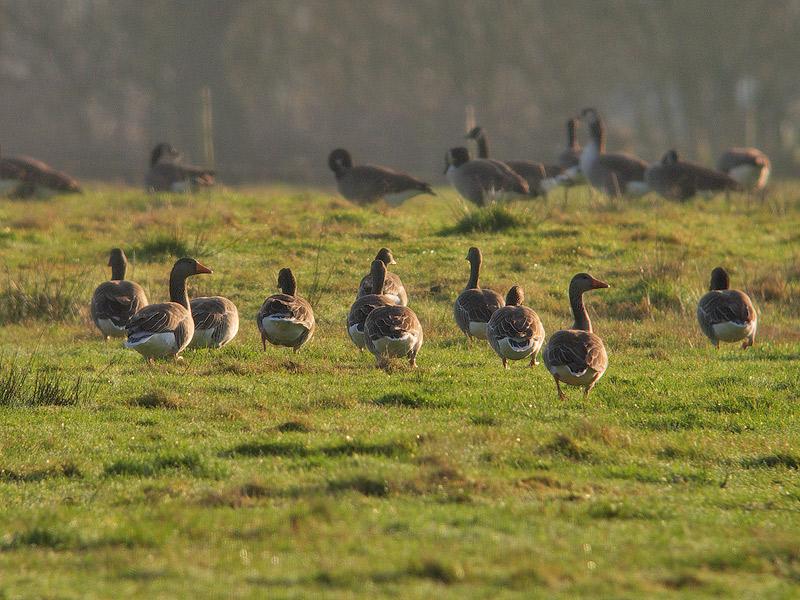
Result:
216,321
614,174
475,305
577,356
168,174
393,332
749,166
115,302
162,330
678,179
515,332
726,315
534,173
22,176
366,303
286,319
392,286
481,180
370,183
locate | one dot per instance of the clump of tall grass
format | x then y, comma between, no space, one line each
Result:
27,384
35,294
492,218
173,244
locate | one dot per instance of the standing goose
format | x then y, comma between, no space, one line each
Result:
168,174
393,332
515,331
21,176
369,183
475,306
576,356
392,286
481,180
678,179
115,302
286,319
366,303
726,315
216,321
749,166
569,161
161,330
534,173
614,174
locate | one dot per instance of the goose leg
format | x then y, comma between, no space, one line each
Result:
505,363
412,359
534,361
264,342
561,395
748,342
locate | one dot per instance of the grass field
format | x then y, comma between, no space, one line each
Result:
239,473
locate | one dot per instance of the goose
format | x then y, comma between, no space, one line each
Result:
614,174
369,183
286,319
393,332
21,176
162,330
577,356
366,303
480,180
515,332
115,302
568,161
749,166
534,173
392,288
216,321
168,174
726,315
475,306
678,179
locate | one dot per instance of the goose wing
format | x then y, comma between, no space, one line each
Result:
476,305
391,285
392,322
117,301
284,306
725,306
577,350
363,306
515,322
211,312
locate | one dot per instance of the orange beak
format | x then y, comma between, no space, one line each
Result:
203,269
597,284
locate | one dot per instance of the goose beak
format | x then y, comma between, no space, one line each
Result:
597,284
394,262
203,269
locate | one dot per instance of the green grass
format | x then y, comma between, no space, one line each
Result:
239,473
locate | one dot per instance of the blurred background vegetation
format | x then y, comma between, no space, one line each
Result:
92,85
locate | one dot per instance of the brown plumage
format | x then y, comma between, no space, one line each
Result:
515,331
32,173
749,166
678,179
726,315
392,286
481,180
577,356
216,321
366,303
168,174
115,302
393,332
286,319
475,306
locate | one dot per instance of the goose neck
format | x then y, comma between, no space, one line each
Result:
579,313
474,273
177,289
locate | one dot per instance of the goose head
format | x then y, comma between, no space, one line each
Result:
386,257
287,282
595,124
583,282
474,255
456,157
670,158
720,280
163,152
475,133
515,296
339,161
186,267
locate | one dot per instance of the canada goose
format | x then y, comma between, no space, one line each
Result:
370,183
392,287
726,315
161,330
614,174
749,166
569,161
115,302
216,321
366,303
576,356
481,180
21,176
515,332
393,332
168,174
532,172
475,306
678,179
286,319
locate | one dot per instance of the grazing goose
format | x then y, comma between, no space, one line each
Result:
161,330
21,176
534,173
678,179
168,174
392,286
475,306
481,180
286,319
393,332
366,303
370,183
614,174
115,302
515,331
576,356
749,166
216,321
726,315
